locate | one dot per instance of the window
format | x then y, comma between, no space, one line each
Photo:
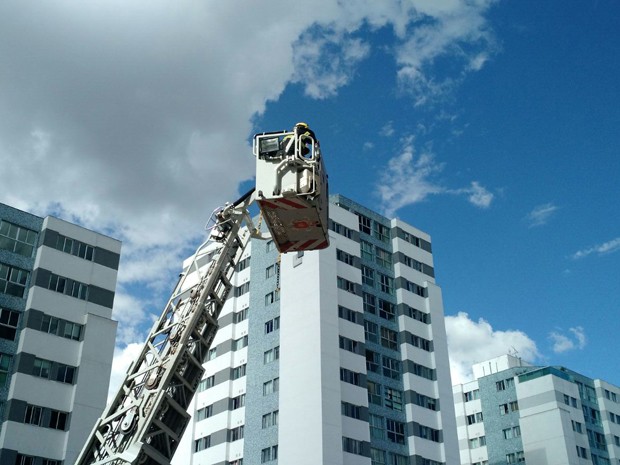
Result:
374,393
349,345
419,342
60,327
272,297
472,395
368,276
393,399
395,431
364,224
5,363
516,457
239,371
381,232
270,419
237,402
68,287
581,452
272,325
242,289
417,314
386,284
240,343
271,386
372,361
240,316
383,257
347,314
389,338
352,446
206,383
416,289
431,403
366,250
270,271
269,246
268,454
212,354
13,280
243,264
370,303
236,462
75,247
202,443
348,376
397,459
24,460
350,410
50,462
377,456
346,285
33,415
426,432
421,370
235,434
371,331
345,257
477,442
513,432
377,428
9,321
387,310
577,426
17,239
340,229
271,355
58,420
500,385
391,367
204,412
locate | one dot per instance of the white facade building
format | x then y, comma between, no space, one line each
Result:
517,413
57,283
334,357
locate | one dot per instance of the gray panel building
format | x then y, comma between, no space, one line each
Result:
57,284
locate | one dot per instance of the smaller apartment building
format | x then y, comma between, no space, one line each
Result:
57,284
517,413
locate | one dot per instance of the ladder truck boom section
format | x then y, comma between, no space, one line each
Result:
144,422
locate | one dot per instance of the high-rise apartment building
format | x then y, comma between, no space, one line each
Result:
337,356
57,284
540,415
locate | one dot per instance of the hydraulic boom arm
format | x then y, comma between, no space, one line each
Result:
145,421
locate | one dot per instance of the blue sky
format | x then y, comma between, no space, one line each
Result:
491,125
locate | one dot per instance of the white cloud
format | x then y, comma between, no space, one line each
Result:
471,342
411,178
562,342
387,130
541,214
600,249
123,356
132,118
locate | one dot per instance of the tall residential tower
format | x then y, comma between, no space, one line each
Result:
57,283
337,356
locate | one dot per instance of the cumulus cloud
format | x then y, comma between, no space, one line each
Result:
562,342
600,249
122,359
387,130
412,177
132,119
472,342
541,214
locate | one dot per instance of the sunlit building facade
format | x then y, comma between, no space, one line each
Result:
540,415
337,356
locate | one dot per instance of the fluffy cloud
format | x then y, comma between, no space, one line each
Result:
471,342
600,249
561,342
122,359
541,214
411,178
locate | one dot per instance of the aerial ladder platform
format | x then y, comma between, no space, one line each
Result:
144,422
